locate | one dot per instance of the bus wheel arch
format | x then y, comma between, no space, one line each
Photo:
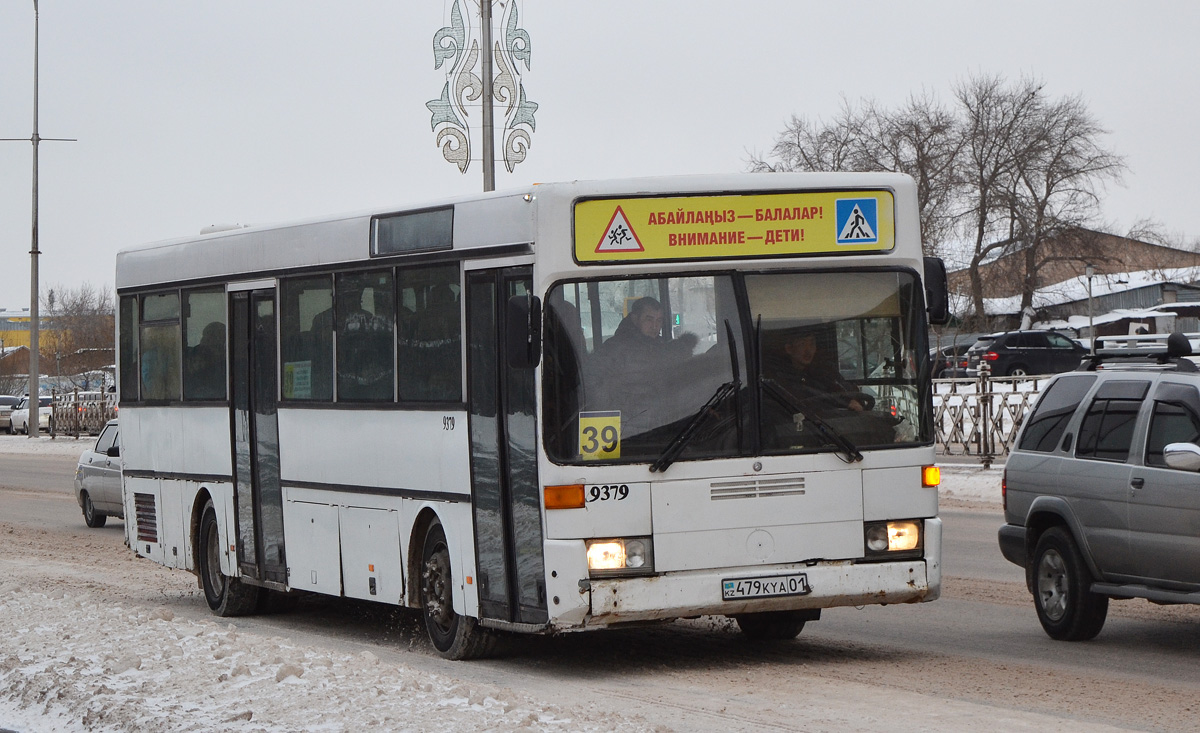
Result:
426,518
203,499
225,595
454,636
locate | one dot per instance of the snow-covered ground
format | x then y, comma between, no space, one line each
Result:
105,651
45,445
70,665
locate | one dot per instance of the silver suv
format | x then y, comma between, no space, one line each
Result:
1102,494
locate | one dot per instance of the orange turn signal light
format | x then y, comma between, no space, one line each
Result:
564,497
931,476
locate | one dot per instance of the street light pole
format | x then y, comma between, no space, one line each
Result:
1090,271
500,56
34,324
489,134
34,368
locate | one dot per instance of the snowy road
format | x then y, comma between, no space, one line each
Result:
93,639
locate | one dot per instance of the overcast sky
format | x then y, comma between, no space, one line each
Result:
192,113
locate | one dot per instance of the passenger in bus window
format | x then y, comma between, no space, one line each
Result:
364,340
645,376
805,372
205,369
640,334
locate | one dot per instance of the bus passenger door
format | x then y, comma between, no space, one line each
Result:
258,499
504,484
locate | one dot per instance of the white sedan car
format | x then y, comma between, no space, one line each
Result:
8,403
98,478
20,415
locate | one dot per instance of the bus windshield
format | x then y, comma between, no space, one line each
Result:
729,364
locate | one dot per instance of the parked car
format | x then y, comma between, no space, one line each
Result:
949,361
98,478
8,403
1100,492
1017,353
20,415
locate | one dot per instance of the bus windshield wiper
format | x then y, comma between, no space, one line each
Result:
827,431
680,441
676,446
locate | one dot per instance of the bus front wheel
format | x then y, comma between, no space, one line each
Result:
775,625
454,636
226,596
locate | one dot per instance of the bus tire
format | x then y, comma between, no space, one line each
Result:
775,625
1066,606
93,518
454,636
226,596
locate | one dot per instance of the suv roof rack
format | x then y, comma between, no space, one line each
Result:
1155,349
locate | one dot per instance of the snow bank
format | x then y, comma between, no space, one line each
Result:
971,482
62,445
70,665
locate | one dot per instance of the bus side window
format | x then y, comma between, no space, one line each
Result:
160,347
204,344
365,361
429,339
307,339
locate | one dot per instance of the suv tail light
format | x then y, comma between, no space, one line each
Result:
990,356
1004,489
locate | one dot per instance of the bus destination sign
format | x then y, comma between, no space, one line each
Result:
706,227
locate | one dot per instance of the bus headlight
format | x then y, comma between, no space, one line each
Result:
898,536
631,556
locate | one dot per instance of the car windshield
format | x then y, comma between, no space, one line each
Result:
704,366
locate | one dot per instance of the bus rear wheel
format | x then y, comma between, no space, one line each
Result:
226,596
454,636
775,625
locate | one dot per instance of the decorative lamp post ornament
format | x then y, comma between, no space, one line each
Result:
499,81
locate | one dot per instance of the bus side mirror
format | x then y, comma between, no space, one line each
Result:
937,297
523,331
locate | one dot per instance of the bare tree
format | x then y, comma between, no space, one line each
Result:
12,381
79,332
1002,173
919,139
997,121
1057,184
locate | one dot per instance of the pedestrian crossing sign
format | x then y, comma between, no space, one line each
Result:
857,221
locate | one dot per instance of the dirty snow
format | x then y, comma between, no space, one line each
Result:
154,671
80,652
45,445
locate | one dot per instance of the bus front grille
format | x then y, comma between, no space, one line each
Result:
147,517
756,488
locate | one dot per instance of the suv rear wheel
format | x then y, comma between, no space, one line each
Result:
1066,607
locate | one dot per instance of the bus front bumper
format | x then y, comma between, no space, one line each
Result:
699,593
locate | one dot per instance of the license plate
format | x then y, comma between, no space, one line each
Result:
735,589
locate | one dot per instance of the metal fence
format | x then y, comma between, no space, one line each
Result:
979,416
81,413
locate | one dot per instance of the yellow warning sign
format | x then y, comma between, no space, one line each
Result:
758,225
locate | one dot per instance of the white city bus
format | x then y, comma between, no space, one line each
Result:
448,407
